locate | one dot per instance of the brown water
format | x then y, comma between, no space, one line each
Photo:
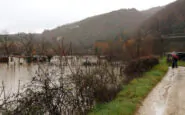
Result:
11,74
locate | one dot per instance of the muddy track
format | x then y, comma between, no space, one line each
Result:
168,97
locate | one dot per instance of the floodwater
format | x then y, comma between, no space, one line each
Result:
11,74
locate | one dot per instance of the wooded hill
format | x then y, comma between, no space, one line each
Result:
102,27
169,20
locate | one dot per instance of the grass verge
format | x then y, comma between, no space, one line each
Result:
131,96
180,63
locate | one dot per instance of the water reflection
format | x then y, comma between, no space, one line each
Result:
11,74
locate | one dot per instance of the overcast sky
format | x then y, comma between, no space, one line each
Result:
37,15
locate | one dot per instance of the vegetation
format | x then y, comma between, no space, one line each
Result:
52,93
101,27
131,95
85,32
136,68
170,20
180,63
102,85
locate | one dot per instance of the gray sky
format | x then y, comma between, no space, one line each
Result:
37,15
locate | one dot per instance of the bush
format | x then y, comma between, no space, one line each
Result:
137,67
130,97
106,93
102,84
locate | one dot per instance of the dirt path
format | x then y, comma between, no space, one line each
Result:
168,97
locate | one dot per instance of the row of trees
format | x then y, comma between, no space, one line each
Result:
142,44
30,44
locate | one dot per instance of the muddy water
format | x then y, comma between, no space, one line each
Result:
10,75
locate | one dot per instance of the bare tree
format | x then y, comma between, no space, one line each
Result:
50,93
7,43
43,46
58,46
129,50
27,43
115,51
141,36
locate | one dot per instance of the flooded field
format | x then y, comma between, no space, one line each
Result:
14,72
10,75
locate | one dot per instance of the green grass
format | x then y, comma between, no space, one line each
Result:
131,95
180,63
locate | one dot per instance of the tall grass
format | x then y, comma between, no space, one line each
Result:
131,95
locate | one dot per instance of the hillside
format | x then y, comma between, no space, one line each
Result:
106,26
170,20
150,12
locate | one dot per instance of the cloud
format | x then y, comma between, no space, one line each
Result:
37,15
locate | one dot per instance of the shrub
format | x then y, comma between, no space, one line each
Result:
102,84
136,68
51,92
130,97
